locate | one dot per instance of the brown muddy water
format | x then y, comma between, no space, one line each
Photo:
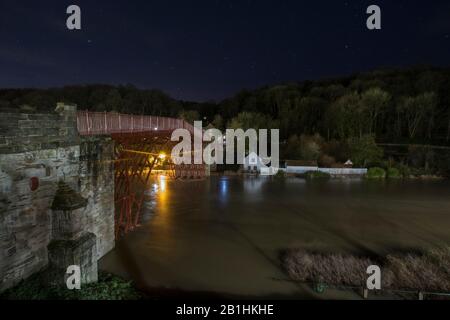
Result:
225,234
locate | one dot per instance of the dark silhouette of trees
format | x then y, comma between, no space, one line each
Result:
407,106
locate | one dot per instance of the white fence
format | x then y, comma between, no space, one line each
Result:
300,169
331,171
344,171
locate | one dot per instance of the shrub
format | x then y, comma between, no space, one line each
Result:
339,150
393,173
108,287
317,175
334,269
376,173
326,161
364,150
429,271
304,147
441,257
404,170
280,175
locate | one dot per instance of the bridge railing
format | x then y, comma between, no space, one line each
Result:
93,123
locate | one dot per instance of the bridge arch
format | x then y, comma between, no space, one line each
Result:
139,142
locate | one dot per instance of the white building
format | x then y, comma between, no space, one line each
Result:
255,164
252,163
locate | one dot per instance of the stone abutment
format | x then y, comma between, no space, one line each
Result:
37,153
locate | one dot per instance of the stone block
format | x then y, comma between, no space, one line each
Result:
81,252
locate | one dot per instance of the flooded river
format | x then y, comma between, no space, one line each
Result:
225,234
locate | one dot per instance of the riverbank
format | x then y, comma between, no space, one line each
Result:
409,273
343,176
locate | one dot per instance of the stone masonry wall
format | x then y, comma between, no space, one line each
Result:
96,184
47,148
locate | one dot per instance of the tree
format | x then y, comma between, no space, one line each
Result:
303,147
374,102
309,114
189,116
364,150
310,147
253,120
344,116
217,122
448,126
292,149
113,100
415,110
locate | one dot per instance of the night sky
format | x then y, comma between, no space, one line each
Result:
203,50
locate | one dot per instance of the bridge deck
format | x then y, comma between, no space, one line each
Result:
97,123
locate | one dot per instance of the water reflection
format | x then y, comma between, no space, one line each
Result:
162,183
223,188
155,198
253,185
162,195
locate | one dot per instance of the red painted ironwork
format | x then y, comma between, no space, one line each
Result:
136,154
139,140
94,123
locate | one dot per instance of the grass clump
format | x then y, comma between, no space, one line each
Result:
405,171
334,269
394,173
108,287
428,271
280,175
376,173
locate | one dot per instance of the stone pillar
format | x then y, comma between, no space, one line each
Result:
69,244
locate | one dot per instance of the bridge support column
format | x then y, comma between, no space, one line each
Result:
70,246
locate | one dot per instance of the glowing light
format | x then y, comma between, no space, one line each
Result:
162,156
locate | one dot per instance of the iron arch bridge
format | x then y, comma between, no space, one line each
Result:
141,144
